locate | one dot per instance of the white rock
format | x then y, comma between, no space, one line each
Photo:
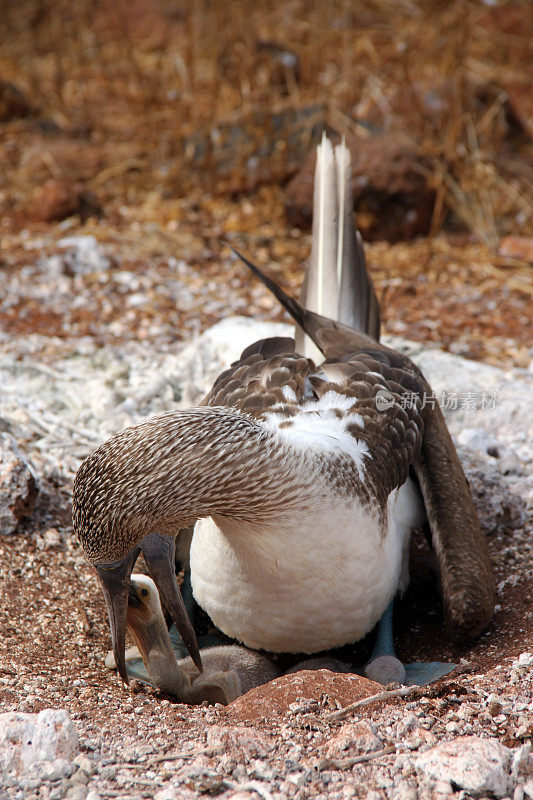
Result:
405,792
520,759
524,660
353,737
478,439
166,793
26,739
479,766
203,360
86,764
76,793
52,770
442,788
84,255
18,487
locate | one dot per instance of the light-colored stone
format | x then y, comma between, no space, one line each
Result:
18,487
83,255
52,770
353,738
77,792
520,760
479,766
86,764
166,793
524,661
26,739
238,739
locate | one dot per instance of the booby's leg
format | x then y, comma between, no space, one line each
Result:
384,667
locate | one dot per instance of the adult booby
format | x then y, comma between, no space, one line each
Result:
304,476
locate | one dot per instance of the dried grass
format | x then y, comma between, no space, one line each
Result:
151,72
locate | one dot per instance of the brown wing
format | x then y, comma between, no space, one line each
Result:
464,566
259,381
270,378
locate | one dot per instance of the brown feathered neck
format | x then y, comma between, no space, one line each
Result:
175,468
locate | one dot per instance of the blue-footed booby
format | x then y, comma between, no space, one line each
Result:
303,470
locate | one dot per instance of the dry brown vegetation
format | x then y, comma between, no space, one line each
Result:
155,107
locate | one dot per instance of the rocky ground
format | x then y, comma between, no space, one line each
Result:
70,377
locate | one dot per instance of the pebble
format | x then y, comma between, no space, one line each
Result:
52,770
353,737
86,764
78,792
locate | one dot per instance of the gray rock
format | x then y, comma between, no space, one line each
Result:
58,792
498,508
26,739
480,440
80,777
524,661
82,255
77,792
166,793
18,487
52,770
520,759
86,764
108,772
479,766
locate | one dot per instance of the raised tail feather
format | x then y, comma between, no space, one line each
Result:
337,284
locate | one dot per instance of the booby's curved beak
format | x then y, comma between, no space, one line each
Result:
158,554
115,580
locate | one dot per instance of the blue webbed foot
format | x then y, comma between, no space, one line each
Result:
385,668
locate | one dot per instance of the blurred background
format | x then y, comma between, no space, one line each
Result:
161,127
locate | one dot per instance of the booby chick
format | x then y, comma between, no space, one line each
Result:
304,477
229,671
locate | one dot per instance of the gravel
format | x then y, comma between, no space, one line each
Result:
62,396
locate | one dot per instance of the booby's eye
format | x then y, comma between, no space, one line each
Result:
144,592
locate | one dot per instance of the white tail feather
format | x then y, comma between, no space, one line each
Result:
336,283
343,163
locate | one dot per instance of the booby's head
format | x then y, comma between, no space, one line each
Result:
115,502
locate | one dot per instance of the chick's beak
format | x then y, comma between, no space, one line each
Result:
115,580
